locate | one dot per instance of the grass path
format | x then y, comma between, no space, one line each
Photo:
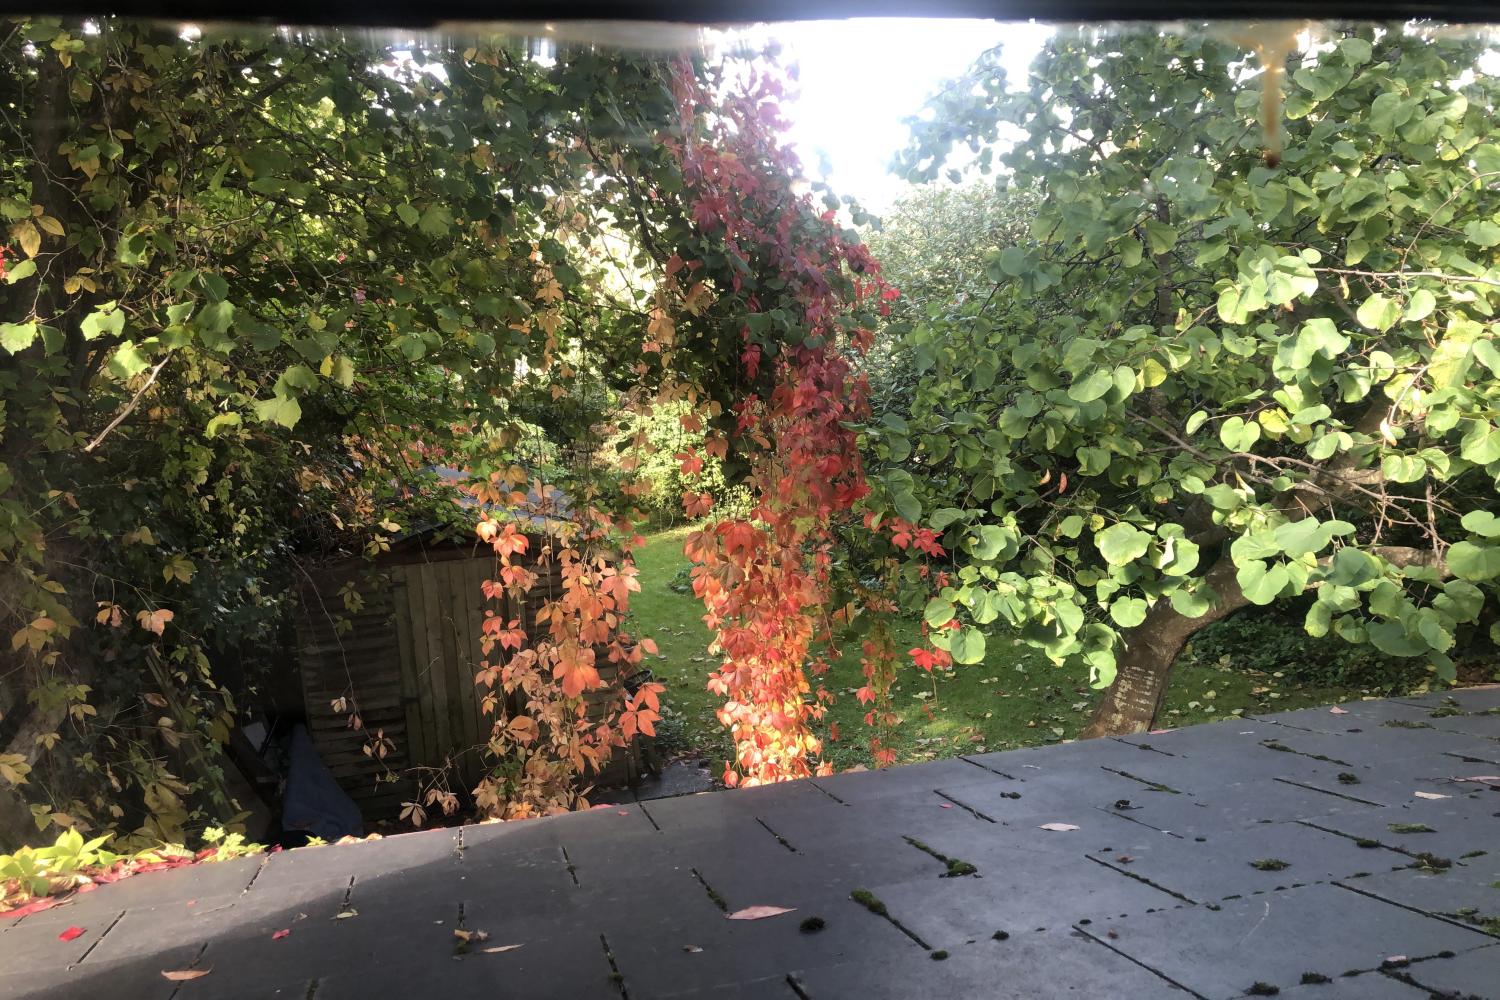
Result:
1014,698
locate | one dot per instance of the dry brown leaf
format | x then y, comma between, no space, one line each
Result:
499,948
758,912
184,975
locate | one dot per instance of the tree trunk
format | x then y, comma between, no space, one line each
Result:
1132,702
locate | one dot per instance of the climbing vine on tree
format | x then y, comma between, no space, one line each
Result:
803,296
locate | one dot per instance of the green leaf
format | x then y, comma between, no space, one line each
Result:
1128,612
106,319
296,377
992,540
1469,561
1486,354
1014,261
938,612
967,645
221,421
408,214
436,221
1420,305
24,269
1482,233
283,410
16,337
944,516
1191,603
1304,537
1353,567
1481,445
1261,584
1481,522
1391,638
1239,435
1378,312
1122,543
1092,386
1403,468
127,361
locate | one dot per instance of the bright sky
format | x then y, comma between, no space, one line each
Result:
861,78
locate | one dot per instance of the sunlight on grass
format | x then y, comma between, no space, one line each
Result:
1014,698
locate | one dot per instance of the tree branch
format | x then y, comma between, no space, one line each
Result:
130,406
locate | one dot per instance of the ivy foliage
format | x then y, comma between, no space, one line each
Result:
1199,362
257,284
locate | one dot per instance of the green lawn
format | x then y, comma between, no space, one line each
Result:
1014,698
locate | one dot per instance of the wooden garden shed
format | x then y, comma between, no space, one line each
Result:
407,663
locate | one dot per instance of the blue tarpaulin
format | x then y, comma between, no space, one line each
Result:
314,802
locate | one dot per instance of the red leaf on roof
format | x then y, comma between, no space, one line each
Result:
281,934
70,934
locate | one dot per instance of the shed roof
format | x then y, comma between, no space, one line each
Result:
1210,861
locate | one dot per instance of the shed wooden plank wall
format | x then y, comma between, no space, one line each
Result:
440,614
361,664
410,662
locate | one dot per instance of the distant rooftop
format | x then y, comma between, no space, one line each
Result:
1329,853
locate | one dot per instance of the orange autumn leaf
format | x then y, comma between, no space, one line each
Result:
154,621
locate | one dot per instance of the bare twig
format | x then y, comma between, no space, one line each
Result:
130,406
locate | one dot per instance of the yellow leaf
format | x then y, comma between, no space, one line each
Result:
28,236
51,225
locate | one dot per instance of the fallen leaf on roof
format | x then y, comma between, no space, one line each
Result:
624,812
1335,710
346,914
1484,778
1057,827
945,805
1159,732
464,935
284,932
759,912
70,934
1431,795
185,975
692,949
499,948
